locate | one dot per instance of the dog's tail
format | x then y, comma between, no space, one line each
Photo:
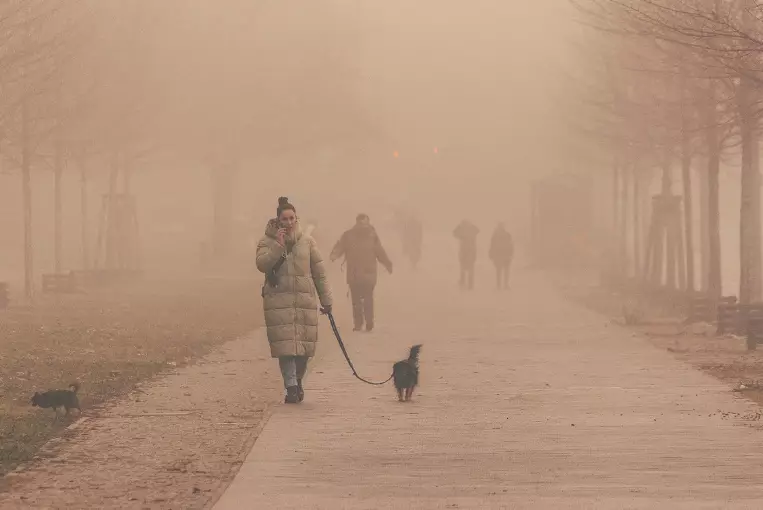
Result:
414,354
74,387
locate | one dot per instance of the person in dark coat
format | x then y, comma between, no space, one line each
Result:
466,233
502,254
362,249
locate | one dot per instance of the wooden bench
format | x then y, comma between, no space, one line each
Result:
742,319
702,308
728,319
752,319
59,283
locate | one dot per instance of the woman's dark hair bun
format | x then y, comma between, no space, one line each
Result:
283,205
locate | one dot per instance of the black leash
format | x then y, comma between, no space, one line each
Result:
347,356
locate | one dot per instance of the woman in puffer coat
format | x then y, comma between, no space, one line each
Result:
295,281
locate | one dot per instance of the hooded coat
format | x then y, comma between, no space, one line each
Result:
291,306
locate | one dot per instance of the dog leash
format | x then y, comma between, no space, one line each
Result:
347,356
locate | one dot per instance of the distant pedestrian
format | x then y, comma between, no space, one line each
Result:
502,254
466,233
413,236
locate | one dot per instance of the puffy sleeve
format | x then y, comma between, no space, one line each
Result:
318,272
268,253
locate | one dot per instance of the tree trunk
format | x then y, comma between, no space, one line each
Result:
112,215
636,224
58,207
26,192
616,216
749,226
655,245
715,286
749,213
646,206
83,196
680,253
666,231
687,203
704,230
624,210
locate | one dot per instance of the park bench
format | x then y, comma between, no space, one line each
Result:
742,319
703,308
754,319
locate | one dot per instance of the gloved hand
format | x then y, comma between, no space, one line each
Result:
325,310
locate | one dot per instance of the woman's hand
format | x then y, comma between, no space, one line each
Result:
326,310
281,237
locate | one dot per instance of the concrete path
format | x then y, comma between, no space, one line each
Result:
526,401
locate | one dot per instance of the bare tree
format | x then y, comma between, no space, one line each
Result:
713,47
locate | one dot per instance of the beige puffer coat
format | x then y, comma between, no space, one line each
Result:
291,307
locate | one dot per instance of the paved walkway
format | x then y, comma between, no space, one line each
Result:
526,401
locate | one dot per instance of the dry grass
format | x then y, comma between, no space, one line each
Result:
108,341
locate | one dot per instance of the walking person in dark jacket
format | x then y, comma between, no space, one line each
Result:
362,249
502,254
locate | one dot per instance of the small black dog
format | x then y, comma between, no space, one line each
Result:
58,398
406,374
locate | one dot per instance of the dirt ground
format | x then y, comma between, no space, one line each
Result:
108,341
725,357
174,442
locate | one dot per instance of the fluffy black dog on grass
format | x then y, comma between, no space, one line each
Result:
406,374
58,398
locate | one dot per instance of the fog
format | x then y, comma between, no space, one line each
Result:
310,100
445,109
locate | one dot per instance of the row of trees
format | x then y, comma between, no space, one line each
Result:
92,85
676,85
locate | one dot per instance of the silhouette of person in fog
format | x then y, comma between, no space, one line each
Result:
466,233
502,254
413,234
